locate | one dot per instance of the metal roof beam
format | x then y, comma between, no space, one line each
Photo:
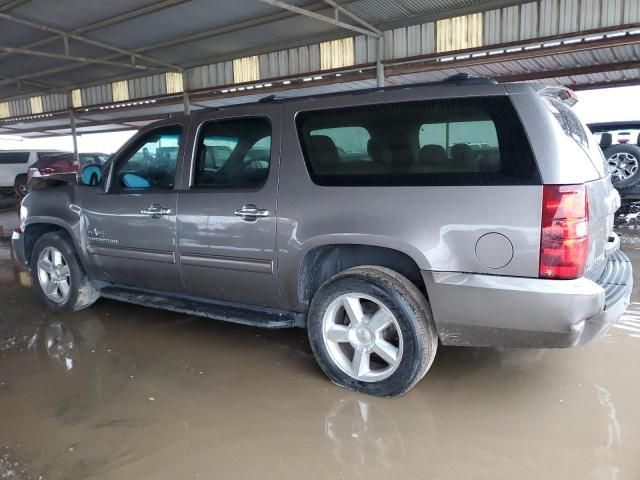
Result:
66,35
20,130
254,22
352,16
59,56
154,7
11,5
42,86
322,18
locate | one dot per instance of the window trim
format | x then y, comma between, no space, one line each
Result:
127,152
194,152
445,179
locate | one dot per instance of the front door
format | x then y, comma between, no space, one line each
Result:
227,211
131,228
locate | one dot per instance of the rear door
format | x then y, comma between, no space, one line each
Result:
227,209
131,229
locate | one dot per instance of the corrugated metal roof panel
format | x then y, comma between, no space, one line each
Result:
568,16
589,14
492,27
72,14
529,20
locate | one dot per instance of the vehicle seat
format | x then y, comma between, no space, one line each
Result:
606,139
432,159
463,158
324,154
379,152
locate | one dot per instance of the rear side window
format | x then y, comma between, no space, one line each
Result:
471,141
7,158
233,154
568,120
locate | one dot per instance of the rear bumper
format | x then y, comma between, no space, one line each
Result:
494,311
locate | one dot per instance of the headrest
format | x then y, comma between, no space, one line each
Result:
606,139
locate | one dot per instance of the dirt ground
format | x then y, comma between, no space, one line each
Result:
123,392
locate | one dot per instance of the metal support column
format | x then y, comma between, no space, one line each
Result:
185,93
379,60
72,118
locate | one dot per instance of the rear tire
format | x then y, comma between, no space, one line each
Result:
391,343
58,276
20,186
623,163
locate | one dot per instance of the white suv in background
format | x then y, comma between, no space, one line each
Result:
14,165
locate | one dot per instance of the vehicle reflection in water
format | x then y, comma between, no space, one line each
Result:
362,433
65,341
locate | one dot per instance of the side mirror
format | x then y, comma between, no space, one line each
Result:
90,175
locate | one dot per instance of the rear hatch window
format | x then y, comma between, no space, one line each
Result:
470,141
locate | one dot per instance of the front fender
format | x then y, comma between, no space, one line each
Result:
54,206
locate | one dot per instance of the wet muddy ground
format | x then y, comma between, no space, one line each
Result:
124,392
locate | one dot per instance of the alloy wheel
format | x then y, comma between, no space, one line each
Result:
622,165
54,275
363,337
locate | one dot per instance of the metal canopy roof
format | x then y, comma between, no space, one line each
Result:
48,47
101,37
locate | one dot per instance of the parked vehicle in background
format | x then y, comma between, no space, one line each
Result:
385,222
14,167
620,145
64,163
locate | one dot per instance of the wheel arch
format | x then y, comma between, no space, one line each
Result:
34,230
321,261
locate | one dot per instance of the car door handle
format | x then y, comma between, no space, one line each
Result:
251,212
156,211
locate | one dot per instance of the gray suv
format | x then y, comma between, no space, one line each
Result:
383,221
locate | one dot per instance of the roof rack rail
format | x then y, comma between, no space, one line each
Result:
459,79
463,78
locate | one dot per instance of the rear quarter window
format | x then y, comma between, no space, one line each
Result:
471,141
568,120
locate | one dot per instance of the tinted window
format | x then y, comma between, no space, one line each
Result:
46,154
471,141
13,157
54,159
233,154
151,163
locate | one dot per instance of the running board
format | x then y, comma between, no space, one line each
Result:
229,312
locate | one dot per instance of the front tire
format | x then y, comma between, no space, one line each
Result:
371,330
58,276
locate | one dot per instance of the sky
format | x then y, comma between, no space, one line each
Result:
602,105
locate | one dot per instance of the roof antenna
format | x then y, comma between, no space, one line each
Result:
267,99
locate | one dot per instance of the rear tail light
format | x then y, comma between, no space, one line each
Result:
564,239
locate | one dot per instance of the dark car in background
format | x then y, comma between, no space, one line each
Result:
620,145
63,163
